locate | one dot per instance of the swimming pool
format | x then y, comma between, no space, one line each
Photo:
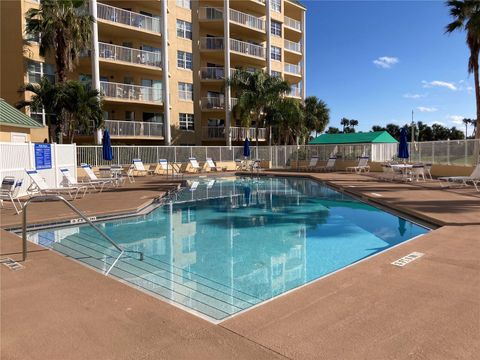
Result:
227,244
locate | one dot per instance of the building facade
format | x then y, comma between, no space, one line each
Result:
161,65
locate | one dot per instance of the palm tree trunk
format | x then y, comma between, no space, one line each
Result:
477,95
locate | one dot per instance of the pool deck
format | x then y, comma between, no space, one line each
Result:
430,309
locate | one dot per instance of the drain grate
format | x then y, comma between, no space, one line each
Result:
11,264
407,259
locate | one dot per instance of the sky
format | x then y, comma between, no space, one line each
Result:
376,61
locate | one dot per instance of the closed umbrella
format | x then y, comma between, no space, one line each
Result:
107,146
246,148
403,146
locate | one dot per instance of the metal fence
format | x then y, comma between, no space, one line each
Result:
451,152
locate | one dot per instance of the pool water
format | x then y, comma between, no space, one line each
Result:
228,244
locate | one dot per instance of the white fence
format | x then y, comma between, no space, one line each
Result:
16,157
451,152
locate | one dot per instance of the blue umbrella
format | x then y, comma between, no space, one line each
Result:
403,146
107,146
246,148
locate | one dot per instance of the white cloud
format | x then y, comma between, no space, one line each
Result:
438,83
456,119
386,62
426,109
414,96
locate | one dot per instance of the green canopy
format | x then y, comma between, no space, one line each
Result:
9,116
354,138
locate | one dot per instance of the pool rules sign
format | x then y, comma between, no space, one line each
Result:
43,156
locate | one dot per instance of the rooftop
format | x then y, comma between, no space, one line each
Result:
354,138
14,117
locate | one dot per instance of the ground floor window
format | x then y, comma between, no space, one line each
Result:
186,122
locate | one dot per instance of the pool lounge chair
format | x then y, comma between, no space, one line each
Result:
139,168
361,166
10,190
92,178
474,179
330,166
39,184
194,164
70,181
211,165
312,164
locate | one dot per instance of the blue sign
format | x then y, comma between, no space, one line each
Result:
43,156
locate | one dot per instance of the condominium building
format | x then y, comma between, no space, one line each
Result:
161,65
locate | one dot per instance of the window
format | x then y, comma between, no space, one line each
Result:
276,5
152,117
184,29
186,122
185,91
276,28
130,115
37,70
184,60
276,74
276,53
186,4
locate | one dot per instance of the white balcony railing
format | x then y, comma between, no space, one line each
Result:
293,46
129,18
210,13
295,92
120,128
133,56
216,102
248,20
211,43
247,48
212,73
293,69
131,92
213,132
240,133
292,24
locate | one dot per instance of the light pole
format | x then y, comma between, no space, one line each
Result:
413,129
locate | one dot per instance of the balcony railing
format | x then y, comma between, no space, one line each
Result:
292,24
216,103
212,73
120,128
131,92
294,92
211,43
133,56
240,133
210,13
293,69
129,18
248,20
247,48
213,132
293,46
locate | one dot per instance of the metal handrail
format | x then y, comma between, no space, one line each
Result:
82,215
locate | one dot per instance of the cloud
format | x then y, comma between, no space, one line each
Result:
426,109
438,83
386,62
456,119
414,96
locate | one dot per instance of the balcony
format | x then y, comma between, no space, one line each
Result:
293,46
295,92
293,69
216,103
212,73
116,53
292,24
132,93
247,20
240,133
213,132
248,49
211,43
127,129
128,18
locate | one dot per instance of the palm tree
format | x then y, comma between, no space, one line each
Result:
353,123
64,29
256,92
466,122
287,118
344,122
475,127
45,96
317,114
466,15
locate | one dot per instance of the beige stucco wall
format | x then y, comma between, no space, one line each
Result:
33,135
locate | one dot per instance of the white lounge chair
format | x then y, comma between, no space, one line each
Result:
92,178
164,168
70,181
194,185
10,190
330,166
313,163
210,184
211,165
39,184
194,164
139,168
474,179
361,166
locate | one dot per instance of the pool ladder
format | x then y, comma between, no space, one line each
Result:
83,216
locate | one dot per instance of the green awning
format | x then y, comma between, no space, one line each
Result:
9,116
354,138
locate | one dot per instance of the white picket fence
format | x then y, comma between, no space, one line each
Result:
16,157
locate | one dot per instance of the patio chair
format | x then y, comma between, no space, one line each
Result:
330,166
417,172
474,178
313,163
69,180
361,166
10,190
39,184
92,178
194,164
388,173
211,165
139,168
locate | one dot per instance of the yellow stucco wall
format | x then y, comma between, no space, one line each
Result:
33,135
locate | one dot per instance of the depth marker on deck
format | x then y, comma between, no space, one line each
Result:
407,259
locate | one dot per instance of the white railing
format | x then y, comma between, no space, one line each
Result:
293,46
295,92
120,128
292,24
213,132
293,69
248,20
212,73
133,56
129,18
210,13
240,133
450,152
247,48
131,92
216,102
211,43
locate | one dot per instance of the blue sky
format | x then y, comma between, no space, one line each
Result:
376,61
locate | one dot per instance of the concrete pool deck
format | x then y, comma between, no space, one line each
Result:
429,309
